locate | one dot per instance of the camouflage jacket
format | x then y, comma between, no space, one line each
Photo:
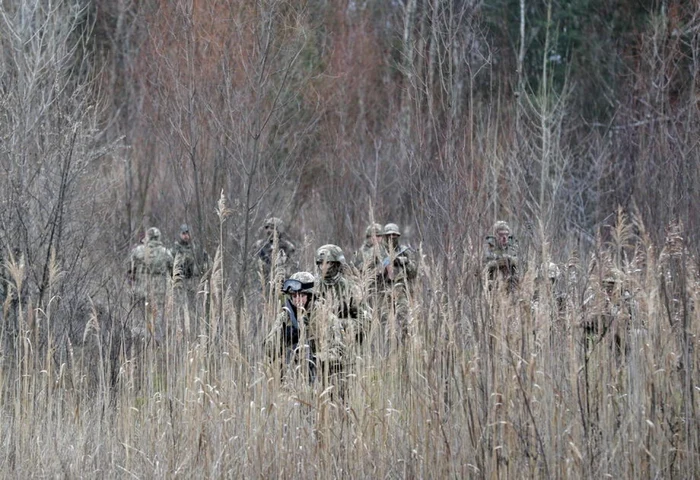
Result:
341,299
368,261
404,267
323,338
499,258
189,260
341,295
263,251
150,259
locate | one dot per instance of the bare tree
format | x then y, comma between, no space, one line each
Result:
53,152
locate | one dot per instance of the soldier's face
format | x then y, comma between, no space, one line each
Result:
502,237
375,240
328,269
270,230
185,236
392,240
300,300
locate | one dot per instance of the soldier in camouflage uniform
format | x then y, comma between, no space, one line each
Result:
188,260
338,303
400,270
190,267
297,336
149,269
274,252
607,307
368,261
501,256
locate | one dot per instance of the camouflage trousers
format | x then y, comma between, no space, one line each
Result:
190,302
395,313
149,309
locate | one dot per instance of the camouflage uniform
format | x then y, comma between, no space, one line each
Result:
337,309
298,336
189,261
400,270
274,250
150,266
501,259
190,267
607,308
368,261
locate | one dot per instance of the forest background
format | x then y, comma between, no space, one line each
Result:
565,118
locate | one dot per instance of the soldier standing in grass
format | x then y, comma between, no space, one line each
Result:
501,257
368,261
274,253
149,268
400,270
188,260
338,303
190,266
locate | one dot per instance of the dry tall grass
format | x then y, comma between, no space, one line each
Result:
488,385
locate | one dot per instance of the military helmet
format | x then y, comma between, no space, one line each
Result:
373,229
500,226
553,271
300,282
330,253
613,277
274,223
153,234
392,229
184,228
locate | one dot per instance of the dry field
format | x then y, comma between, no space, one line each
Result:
487,385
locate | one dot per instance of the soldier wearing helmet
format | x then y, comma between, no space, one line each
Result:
274,251
338,314
189,261
150,257
608,305
335,290
331,266
501,256
372,247
368,261
400,270
401,266
149,268
294,336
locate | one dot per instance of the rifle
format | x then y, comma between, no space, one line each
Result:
387,259
292,316
291,333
